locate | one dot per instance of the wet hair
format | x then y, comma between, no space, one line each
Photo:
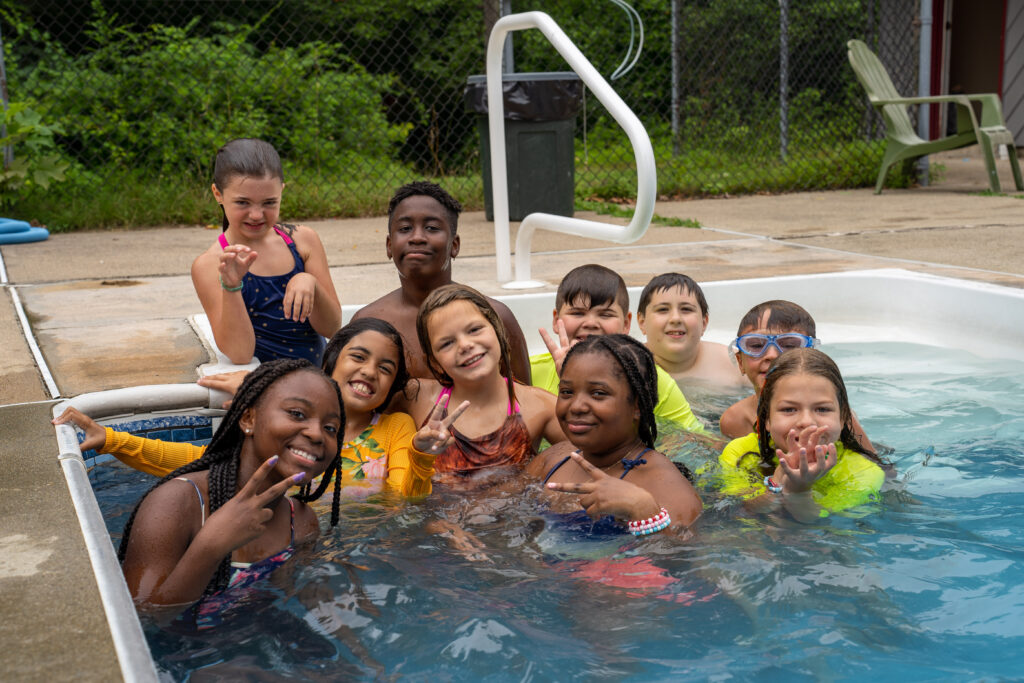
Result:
222,455
594,283
667,281
783,316
347,333
248,158
427,189
441,297
634,363
804,362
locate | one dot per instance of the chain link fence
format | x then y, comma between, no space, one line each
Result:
361,96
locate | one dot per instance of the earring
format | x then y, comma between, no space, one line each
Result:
248,431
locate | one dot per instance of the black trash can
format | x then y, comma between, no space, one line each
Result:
540,122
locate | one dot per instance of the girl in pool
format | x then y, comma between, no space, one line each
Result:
281,304
367,360
605,405
767,331
468,352
224,521
803,451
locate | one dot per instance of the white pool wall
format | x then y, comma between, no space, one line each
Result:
882,305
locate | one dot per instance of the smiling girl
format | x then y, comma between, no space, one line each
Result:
606,398
467,350
223,521
804,451
367,360
264,286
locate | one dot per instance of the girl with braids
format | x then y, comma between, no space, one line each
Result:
606,397
281,304
803,451
223,521
467,350
367,360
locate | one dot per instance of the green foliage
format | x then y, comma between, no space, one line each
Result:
37,162
165,99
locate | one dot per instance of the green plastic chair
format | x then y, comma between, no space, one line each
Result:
902,142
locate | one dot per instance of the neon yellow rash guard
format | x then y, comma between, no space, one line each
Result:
672,405
853,481
383,452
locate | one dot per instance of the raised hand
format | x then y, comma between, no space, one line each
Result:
805,460
558,344
235,261
606,495
299,297
245,516
95,434
434,436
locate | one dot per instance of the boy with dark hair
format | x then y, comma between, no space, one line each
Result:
673,315
422,241
592,299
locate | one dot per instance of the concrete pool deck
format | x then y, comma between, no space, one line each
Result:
109,309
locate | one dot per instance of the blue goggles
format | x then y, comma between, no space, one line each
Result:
756,345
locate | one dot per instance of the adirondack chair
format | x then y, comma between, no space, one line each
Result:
902,142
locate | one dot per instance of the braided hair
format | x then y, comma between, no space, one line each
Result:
634,363
222,455
804,362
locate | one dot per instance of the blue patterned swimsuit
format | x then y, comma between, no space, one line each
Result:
276,336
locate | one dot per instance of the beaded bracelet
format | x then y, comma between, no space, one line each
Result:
771,485
225,287
651,525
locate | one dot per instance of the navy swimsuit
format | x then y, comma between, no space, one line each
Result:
276,336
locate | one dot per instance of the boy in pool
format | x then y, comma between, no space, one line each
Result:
673,315
423,221
764,333
592,299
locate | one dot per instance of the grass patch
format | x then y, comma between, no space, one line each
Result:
116,197
617,210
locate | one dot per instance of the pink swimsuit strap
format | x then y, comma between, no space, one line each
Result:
223,240
446,393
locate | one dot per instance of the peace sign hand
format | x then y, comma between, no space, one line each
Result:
245,516
558,345
806,459
434,436
606,495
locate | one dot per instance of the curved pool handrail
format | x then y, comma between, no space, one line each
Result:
647,177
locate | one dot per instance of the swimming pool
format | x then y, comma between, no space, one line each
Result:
926,586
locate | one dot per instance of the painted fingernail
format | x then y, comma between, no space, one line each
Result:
299,477
272,460
552,486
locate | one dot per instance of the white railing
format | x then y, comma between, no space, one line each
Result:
647,179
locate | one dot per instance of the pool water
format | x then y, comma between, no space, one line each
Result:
927,585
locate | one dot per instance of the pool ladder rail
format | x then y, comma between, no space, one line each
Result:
647,176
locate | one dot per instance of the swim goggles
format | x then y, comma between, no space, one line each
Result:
756,345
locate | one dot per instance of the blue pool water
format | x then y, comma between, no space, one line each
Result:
928,585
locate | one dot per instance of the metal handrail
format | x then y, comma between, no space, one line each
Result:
647,177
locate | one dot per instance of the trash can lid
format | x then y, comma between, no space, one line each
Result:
530,96
527,76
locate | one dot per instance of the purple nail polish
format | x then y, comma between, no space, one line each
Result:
299,477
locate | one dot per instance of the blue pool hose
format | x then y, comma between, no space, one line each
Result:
19,232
